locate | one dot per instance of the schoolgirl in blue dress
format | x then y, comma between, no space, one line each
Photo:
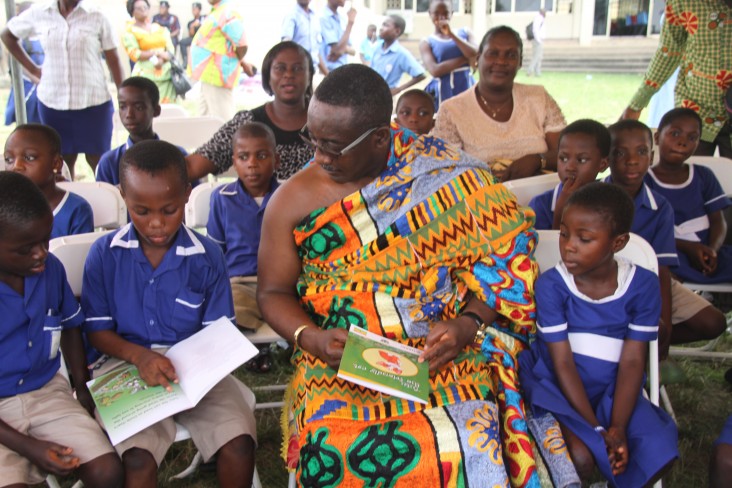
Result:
596,314
696,197
447,55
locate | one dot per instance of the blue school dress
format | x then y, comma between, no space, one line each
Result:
596,330
455,82
692,201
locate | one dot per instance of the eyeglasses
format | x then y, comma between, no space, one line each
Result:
333,153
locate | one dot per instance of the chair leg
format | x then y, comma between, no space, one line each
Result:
291,481
52,482
197,459
256,483
667,403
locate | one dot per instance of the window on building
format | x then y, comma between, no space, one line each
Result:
523,5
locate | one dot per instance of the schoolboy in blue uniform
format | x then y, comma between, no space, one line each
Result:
237,210
139,104
34,150
391,60
691,316
152,284
43,429
584,147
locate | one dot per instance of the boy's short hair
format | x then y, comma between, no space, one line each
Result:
153,157
361,89
21,201
678,113
53,139
608,200
256,130
591,128
630,124
198,5
146,85
416,92
399,23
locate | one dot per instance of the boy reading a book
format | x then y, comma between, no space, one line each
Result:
43,429
150,285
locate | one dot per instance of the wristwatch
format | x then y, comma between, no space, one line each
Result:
480,333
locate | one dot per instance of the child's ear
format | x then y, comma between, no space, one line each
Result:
276,160
189,187
58,163
603,165
157,110
655,136
619,242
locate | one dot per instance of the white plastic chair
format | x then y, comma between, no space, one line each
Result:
170,110
199,204
642,254
72,252
527,188
187,132
106,202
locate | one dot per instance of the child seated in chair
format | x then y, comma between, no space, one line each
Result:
235,221
596,314
139,104
692,318
582,154
697,199
150,285
34,150
43,429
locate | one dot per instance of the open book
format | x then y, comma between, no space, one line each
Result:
127,405
384,365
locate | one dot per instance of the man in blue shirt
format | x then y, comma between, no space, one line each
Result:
303,27
336,44
391,60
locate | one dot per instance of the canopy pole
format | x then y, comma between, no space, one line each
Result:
16,75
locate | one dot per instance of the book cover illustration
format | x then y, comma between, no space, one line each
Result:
384,365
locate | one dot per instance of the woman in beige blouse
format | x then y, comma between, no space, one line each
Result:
513,127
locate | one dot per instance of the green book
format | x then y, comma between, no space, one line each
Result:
384,365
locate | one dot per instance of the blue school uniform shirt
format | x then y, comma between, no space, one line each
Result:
235,223
596,329
653,220
331,30
73,215
108,167
303,27
692,201
393,62
31,330
123,293
543,206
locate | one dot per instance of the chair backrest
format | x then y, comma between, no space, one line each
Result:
199,204
72,252
722,168
168,110
639,252
187,132
106,202
527,188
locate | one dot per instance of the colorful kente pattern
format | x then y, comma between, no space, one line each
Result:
401,253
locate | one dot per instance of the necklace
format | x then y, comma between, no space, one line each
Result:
493,112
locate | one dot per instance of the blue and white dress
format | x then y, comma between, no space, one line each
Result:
596,331
693,201
455,82
73,215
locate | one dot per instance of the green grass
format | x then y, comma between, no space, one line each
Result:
701,404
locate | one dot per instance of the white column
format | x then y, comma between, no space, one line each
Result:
480,22
587,21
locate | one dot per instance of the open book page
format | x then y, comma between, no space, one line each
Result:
217,350
384,365
127,405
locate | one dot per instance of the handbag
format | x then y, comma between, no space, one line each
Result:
181,82
530,31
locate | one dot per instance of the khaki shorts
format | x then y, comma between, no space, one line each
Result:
220,416
244,290
52,414
685,303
